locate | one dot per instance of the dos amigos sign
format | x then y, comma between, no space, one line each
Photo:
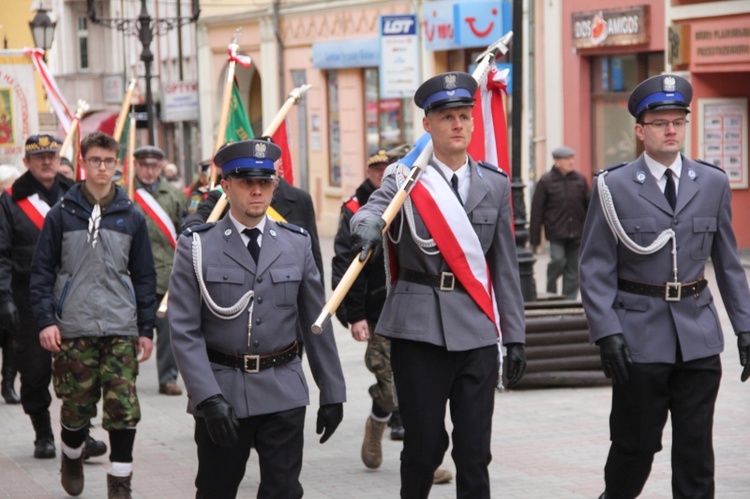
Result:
608,27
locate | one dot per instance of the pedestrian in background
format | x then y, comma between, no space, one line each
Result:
457,289
648,305
560,201
241,289
92,291
8,175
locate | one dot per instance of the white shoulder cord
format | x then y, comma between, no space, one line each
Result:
425,245
227,313
610,215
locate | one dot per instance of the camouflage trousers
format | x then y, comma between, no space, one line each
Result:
378,362
85,368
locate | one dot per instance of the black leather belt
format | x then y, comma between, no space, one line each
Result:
254,363
444,281
670,291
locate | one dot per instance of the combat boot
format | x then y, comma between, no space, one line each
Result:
372,450
7,391
44,445
71,474
442,476
118,487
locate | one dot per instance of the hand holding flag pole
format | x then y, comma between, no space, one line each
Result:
484,61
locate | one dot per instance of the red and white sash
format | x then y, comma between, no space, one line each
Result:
34,207
156,213
456,239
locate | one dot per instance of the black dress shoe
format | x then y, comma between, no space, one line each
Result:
9,394
93,448
397,427
44,448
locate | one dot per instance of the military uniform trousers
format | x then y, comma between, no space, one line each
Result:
685,390
427,376
378,362
278,439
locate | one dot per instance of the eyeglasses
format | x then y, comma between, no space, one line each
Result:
660,125
95,162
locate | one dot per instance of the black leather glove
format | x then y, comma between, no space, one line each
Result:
329,418
743,345
221,422
368,236
515,363
615,358
8,316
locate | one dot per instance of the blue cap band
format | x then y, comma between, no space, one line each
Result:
248,163
458,93
662,98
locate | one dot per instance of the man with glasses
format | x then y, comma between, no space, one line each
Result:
644,251
23,208
92,293
162,203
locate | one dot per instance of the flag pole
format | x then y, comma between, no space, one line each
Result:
83,106
131,158
122,118
484,61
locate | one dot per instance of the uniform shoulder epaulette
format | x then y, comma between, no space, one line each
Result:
703,162
198,228
611,168
492,168
292,227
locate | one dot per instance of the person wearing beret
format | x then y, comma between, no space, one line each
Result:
455,294
560,201
23,209
239,290
162,203
644,289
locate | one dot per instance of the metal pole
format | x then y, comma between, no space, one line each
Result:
145,35
525,257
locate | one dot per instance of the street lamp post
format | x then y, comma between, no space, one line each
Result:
42,30
145,27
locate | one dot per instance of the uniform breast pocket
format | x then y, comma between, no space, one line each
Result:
642,230
226,285
704,229
484,221
286,281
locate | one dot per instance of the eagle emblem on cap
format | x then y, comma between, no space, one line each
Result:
260,150
669,84
449,81
44,141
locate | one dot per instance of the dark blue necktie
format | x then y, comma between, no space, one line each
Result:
252,245
454,185
669,191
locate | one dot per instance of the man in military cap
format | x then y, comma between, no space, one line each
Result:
560,201
646,298
22,212
162,203
456,291
239,290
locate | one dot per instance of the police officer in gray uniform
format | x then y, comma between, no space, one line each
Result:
238,289
650,228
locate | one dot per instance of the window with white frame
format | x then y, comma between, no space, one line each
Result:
83,43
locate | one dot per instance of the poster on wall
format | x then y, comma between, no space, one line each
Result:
723,136
399,56
18,112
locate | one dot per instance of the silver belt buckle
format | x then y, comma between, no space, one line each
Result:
447,281
673,291
256,360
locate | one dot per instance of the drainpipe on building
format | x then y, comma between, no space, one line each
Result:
279,51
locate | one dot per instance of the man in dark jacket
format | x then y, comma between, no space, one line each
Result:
92,287
22,211
560,202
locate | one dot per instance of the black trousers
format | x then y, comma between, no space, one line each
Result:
687,391
427,377
277,438
34,362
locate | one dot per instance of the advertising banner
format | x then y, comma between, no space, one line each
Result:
19,117
399,56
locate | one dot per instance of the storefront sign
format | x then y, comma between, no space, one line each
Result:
18,112
399,56
180,101
723,136
449,25
346,54
611,27
727,43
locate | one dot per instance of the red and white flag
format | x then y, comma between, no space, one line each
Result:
62,111
280,138
489,142
155,212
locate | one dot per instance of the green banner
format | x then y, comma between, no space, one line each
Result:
238,125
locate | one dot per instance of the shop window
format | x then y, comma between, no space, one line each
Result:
334,129
612,80
388,122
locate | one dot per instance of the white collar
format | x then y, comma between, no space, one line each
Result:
240,227
461,172
658,170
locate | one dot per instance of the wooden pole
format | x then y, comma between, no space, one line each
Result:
122,119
